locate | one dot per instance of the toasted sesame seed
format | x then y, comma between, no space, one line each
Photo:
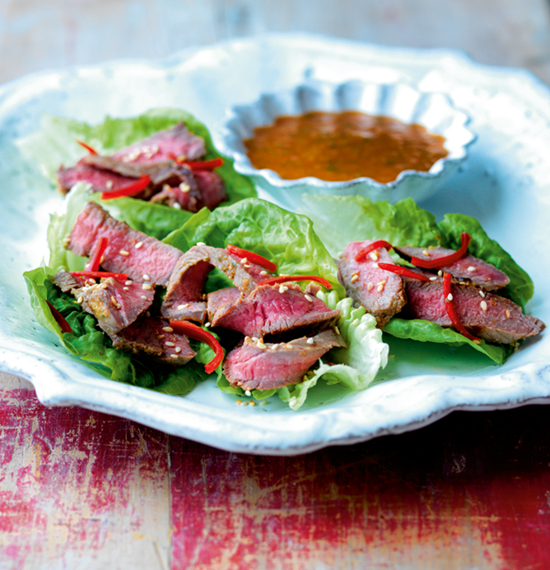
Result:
471,269
355,323
426,253
254,339
168,343
124,252
139,245
173,356
176,206
252,403
200,243
178,349
184,187
450,297
66,241
355,278
128,282
125,289
243,260
261,345
282,288
146,277
310,341
247,266
309,297
440,273
374,255
375,265
370,286
434,278
184,306
80,299
507,314
206,325
144,296
109,184
336,329
482,293
483,305
264,273
167,329
147,286
161,336
381,286
113,300
239,402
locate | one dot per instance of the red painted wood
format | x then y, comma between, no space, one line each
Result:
74,486
472,490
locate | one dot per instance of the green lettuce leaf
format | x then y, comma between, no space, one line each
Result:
54,144
341,219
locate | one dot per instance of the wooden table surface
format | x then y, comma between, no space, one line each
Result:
79,489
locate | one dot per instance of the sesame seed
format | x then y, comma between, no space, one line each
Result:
374,255
336,329
125,289
206,325
144,297
433,278
375,265
292,400
184,187
147,286
109,184
440,273
264,273
252,403
178,349
243,260
128,282
282,288
167,329
176,206
355,323
239,402
80,299
124,252
310,341
161,336
450,297
102,259
471,269
168,343
370,286
66,241
507,314
184,306
200,243
309,297
248,393
146,277
254,339
139,245
381,286
483,305
426,253
246,266
261,345
355,278
482,293
113,300
173,356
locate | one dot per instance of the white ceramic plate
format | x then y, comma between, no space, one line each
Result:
505,183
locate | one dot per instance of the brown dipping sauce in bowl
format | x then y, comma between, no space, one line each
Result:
343,146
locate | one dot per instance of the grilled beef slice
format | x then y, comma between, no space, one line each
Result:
100,180
484,314
469,267
211,188
382,293
66,282
154,337
271,310
258,366
129,251
187,280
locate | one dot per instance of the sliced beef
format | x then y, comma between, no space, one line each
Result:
271,310
177,187
142,257
100,180
177,140
467,267
258,366
219,300
211,188
66,282
117,166
114,303
155,337
187,280
484,314
382,293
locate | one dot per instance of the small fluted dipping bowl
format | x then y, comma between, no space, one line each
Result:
434,111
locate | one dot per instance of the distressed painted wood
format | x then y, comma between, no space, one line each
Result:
38,35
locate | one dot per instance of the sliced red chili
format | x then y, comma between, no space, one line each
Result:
193,331
284,279
400,270
451,310
198,165
90,149
253,257
446,259
374,245
130,190
95,261
100,274
60,319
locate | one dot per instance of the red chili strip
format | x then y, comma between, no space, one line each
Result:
90,149
284,279
447,259
100,274
400,270
130,190
253,257
198,165
374,245
451,310
193,331
60,319
95,261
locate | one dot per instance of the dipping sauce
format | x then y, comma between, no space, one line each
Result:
343,146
